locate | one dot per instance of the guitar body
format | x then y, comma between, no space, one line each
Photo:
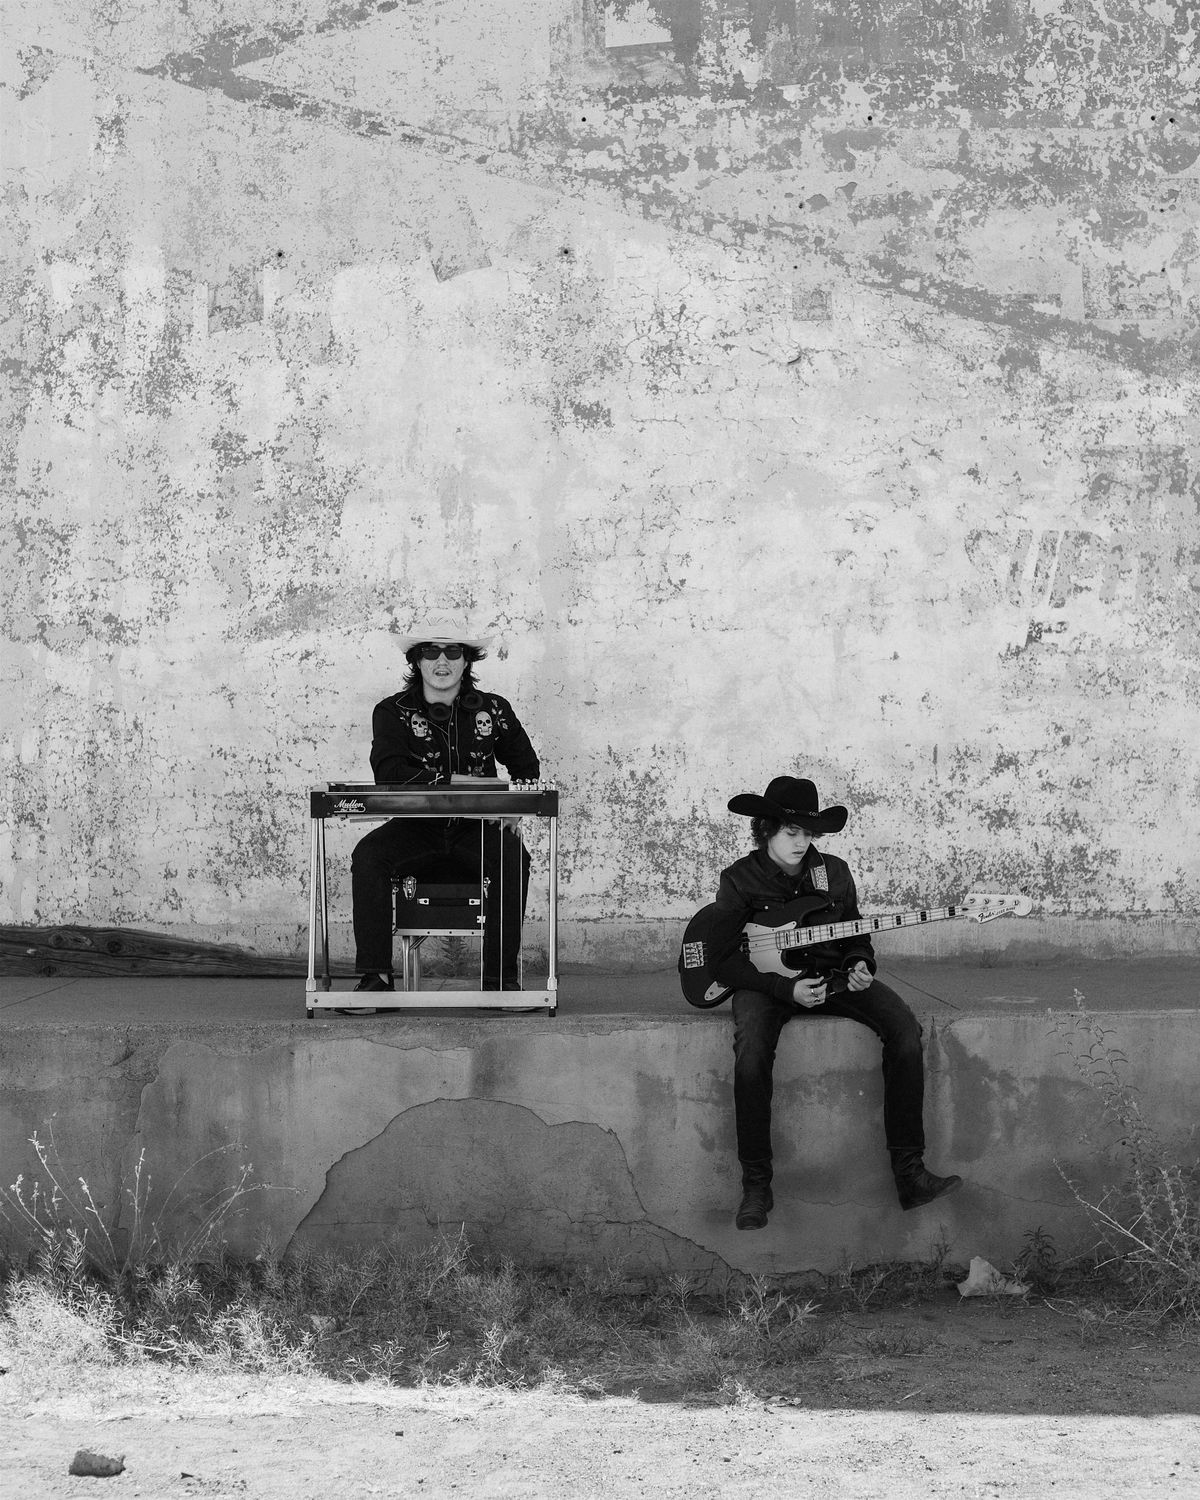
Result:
776,922
698,957
697,960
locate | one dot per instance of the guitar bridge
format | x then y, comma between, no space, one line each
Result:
693,955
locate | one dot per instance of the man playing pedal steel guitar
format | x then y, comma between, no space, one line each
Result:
786,865
437,726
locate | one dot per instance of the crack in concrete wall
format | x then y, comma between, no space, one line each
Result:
517,1184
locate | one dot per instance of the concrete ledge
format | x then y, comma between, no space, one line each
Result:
605,1132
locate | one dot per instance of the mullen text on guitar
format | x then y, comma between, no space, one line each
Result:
464,796
787,939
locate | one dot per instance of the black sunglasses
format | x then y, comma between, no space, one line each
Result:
431,650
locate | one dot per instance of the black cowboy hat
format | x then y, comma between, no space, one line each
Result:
791,800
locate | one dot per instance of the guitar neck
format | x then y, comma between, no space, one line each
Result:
830,932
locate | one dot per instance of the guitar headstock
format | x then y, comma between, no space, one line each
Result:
983,906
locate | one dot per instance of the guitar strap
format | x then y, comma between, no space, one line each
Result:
819,876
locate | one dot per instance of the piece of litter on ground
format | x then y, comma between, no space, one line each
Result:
96,1465
983,1280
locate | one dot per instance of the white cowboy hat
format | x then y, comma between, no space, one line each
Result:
444,629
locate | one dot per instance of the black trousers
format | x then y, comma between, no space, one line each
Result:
758,1020
447,849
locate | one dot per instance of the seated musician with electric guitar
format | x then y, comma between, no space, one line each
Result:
838,979
439,726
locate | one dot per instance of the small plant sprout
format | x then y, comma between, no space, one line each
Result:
1037,1260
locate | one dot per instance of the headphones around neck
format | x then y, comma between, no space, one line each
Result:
440,712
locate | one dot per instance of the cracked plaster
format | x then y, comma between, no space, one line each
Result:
868,338
522,1187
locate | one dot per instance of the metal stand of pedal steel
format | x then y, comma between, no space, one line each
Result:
427,907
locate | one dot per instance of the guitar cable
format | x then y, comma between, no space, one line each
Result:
891,974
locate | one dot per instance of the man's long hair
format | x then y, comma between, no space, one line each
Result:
763,829
466,683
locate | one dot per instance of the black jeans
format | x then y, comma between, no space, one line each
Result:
442,848
758,1020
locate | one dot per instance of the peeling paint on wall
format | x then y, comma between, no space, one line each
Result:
795,387
536,1192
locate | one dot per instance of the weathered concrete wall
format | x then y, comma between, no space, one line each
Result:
793,386
577,1140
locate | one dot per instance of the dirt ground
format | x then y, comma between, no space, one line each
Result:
962,1398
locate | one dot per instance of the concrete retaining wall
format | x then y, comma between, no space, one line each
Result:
570,1139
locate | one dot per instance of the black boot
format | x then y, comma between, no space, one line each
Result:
915,1184
367,982
757,1202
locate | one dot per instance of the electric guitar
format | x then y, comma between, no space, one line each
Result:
777,941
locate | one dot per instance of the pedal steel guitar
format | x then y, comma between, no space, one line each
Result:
478,798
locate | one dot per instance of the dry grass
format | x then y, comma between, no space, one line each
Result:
434,1316
60,1216
1149,1220
441,1316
